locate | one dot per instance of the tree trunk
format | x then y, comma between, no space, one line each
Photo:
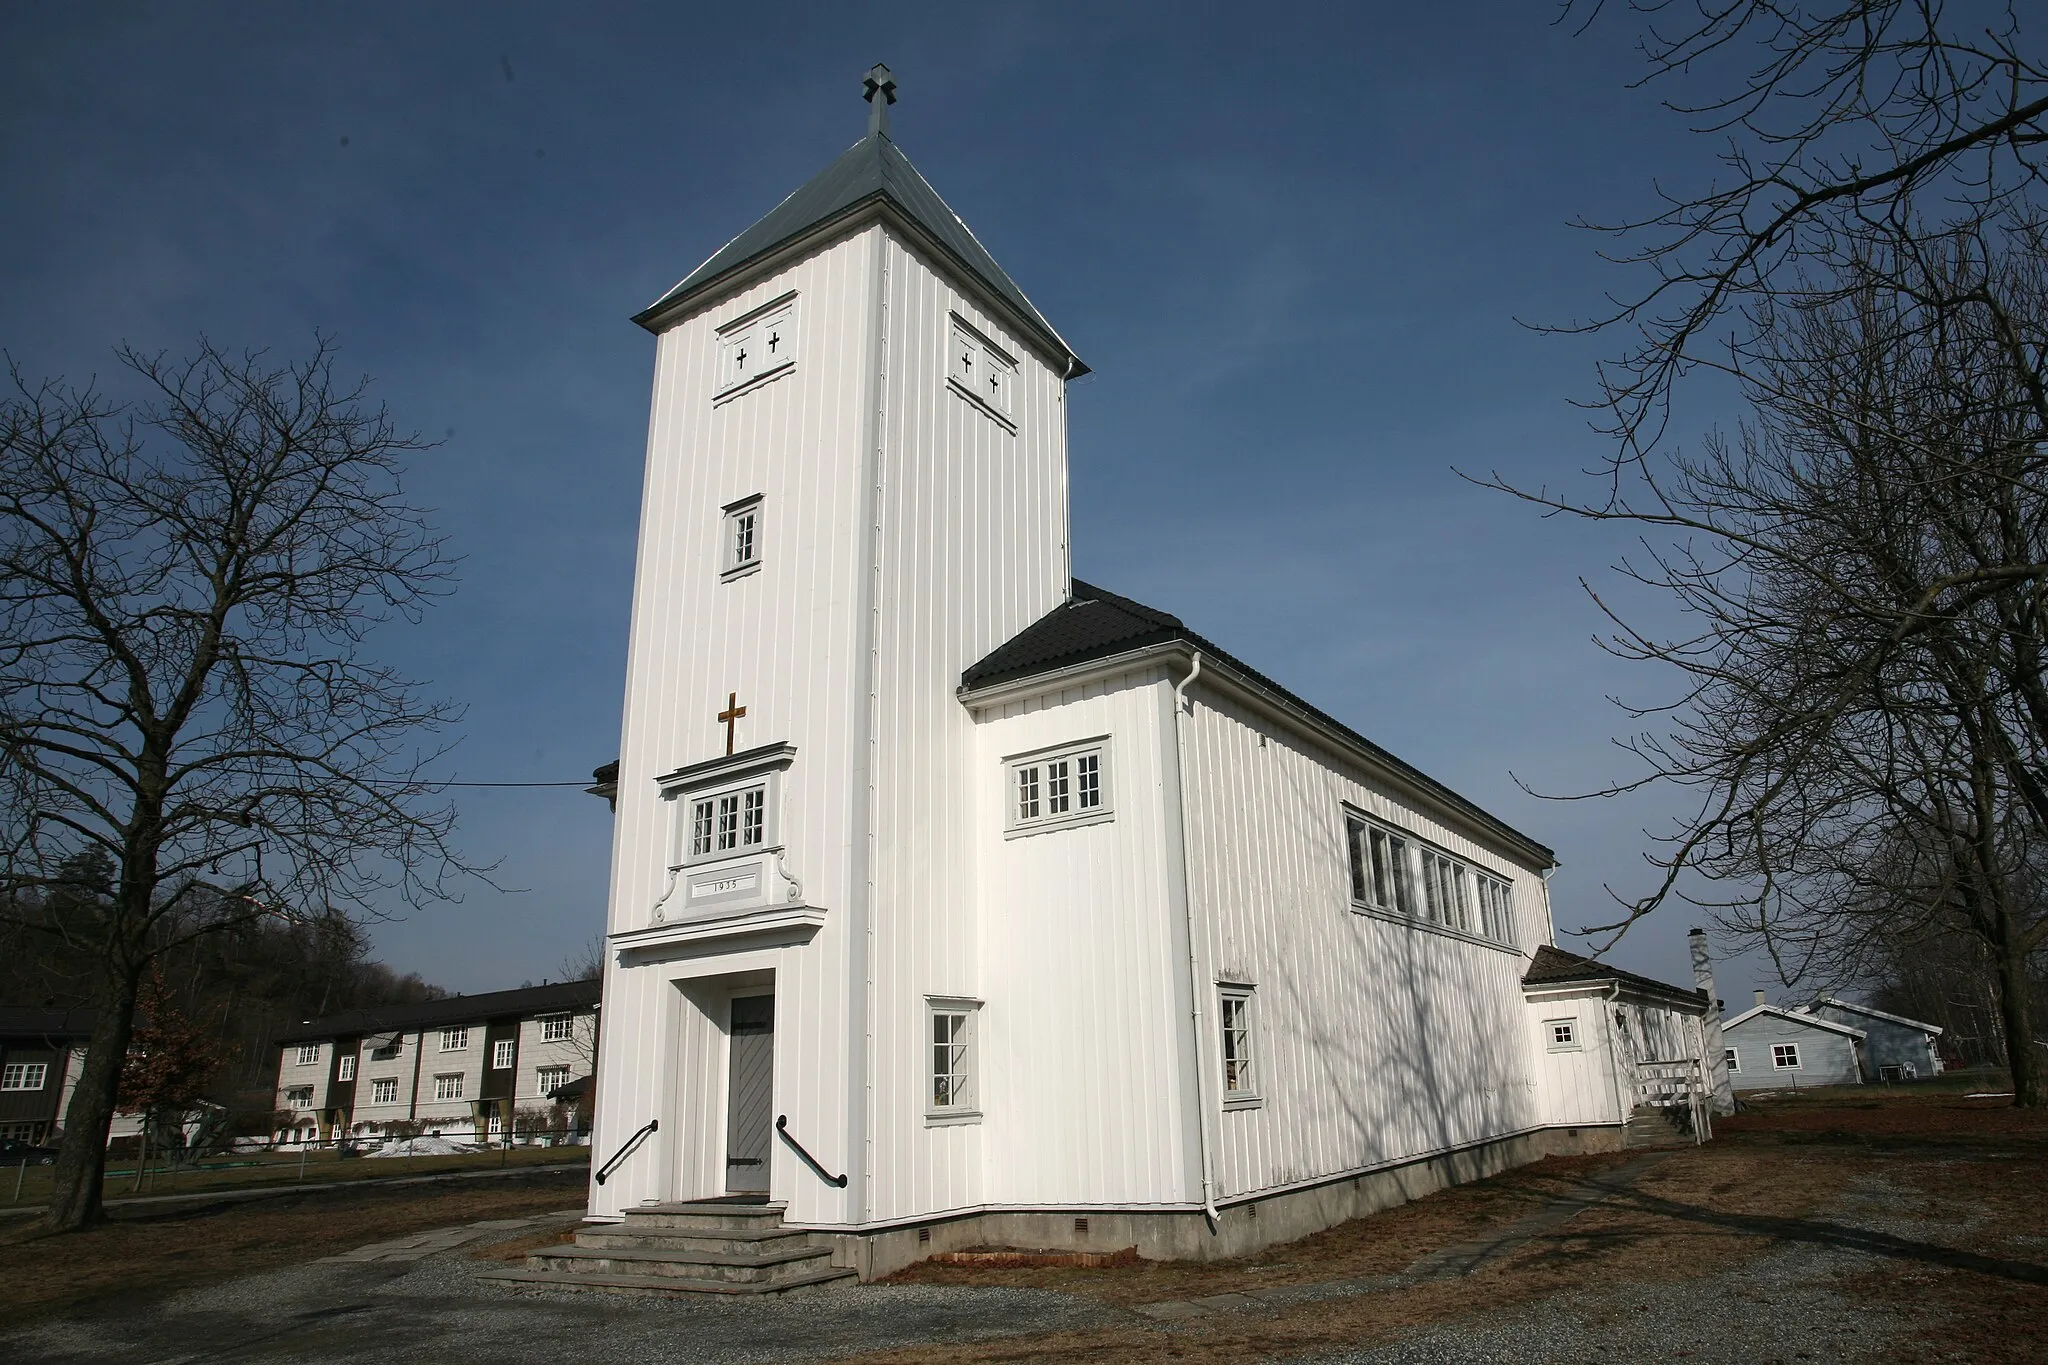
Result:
2016,1010
77,1182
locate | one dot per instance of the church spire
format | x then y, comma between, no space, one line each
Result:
879,82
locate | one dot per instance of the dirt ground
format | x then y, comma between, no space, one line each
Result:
1979,1284
152,1253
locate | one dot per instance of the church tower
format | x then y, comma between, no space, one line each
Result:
856,486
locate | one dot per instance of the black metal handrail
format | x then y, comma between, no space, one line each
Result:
782,1127
651,1126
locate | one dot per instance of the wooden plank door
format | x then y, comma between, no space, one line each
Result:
750,1095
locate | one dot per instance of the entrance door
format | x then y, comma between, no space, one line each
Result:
750,1099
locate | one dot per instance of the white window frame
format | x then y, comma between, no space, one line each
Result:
557,1028
1733,1057
455,1039
728,822
345,1068
298,1097
24,1075
378,1087
541,1074
1061,782
309,1054
390,1051
1569,1028
448,1085
1237,1044
1778,1062
963,1071
741,525
504,1051
755,347
982,371
1394,875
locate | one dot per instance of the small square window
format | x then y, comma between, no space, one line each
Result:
1561,1035
448,1087
1234,1025
1066,787
549,1079
742,537
309,1054
384,1090
953,1062
501,1054
1733,1057
554,1028
1785,1056
345,1069
454,1039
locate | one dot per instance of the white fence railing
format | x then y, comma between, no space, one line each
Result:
1677,1084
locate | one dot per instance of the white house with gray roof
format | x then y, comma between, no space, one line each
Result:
956,900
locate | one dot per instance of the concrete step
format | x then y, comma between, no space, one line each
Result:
734,1240
707,1214
670,1286
702,1265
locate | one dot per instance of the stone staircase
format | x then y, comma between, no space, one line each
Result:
1653,1125
713,1247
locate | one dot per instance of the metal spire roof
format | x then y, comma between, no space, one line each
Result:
873,169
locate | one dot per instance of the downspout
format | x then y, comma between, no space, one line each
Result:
1622,1109
1197,989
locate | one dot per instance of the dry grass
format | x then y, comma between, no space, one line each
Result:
138,1256
1699,1213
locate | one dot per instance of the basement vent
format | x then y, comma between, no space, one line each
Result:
924,1235
1080,1225
1251,1210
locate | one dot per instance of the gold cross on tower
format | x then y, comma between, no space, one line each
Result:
733,712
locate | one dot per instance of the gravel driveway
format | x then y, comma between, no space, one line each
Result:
435,1310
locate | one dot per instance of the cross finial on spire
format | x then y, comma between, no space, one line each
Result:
879,82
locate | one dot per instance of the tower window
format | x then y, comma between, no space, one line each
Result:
1065,786
742,537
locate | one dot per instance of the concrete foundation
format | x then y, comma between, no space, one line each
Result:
1247,1225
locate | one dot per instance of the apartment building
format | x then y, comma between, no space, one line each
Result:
461,1067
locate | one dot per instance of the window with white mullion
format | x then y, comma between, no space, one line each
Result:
1068,787
728,822
1234,1027
1385,866
952,1090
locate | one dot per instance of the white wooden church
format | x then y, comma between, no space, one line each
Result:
955,901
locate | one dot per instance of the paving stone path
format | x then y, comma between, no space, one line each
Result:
1451,1262
422,1244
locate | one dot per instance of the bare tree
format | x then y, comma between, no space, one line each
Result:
1836,120
1863,570
187,585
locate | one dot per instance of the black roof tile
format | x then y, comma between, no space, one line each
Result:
1553,966
1094,623
455,1009
43,1021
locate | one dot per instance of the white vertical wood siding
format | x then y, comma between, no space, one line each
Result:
783,638
1085,1087
971,535
1577,1086
1374,1041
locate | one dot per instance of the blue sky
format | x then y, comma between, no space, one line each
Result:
1297,245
